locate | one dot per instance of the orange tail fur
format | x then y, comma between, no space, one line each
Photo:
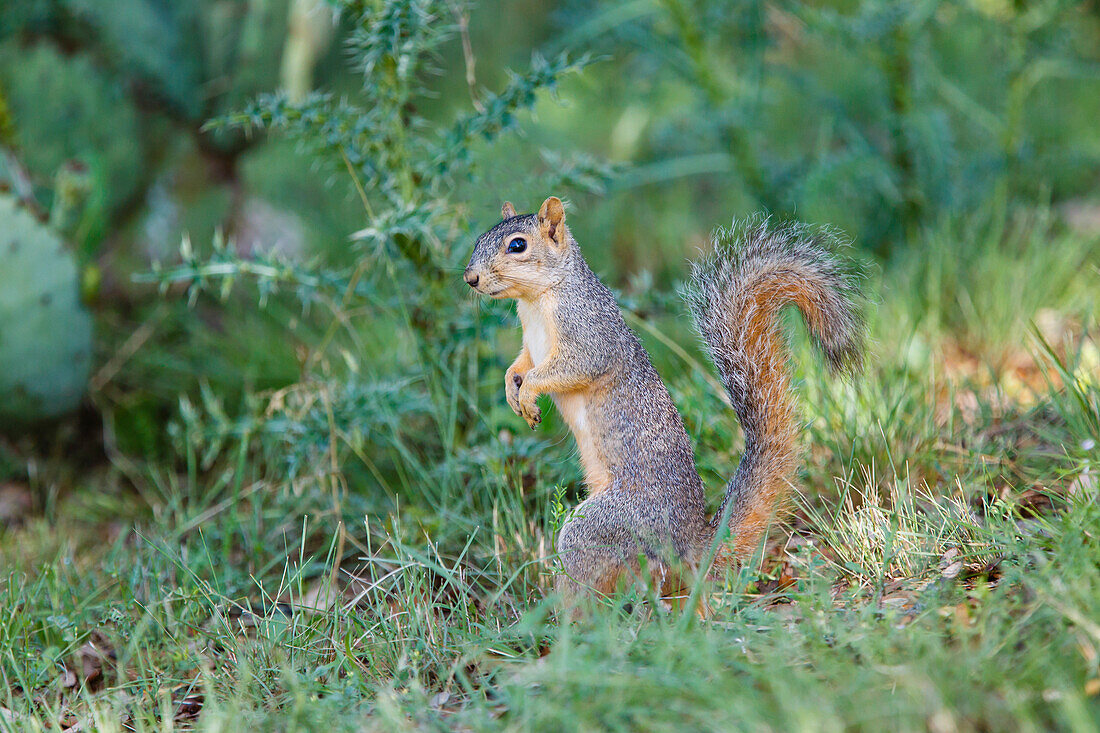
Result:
735,298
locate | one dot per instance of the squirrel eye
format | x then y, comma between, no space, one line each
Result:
518,244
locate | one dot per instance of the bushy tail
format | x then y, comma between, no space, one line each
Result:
735,297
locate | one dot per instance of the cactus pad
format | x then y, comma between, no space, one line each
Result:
45,332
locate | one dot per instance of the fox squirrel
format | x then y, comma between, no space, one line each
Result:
645,498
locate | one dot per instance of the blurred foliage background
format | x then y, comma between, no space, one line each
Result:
357,148
341,157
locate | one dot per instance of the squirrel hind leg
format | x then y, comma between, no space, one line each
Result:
592,558
671,589
597,552
600,554
577,596
675,592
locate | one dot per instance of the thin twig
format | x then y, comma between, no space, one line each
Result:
135,341
463,19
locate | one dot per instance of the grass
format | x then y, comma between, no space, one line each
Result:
332,556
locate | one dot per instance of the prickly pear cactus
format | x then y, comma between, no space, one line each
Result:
45,332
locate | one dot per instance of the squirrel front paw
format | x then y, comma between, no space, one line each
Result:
512,382
528,405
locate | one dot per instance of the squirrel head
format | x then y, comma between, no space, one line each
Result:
522,256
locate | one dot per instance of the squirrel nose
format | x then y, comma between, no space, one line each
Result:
471,278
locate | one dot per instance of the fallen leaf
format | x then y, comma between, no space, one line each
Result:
188,706
320,597
1084,484
10,716
16,503
1082,215
92,658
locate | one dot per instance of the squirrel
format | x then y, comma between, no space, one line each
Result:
645,518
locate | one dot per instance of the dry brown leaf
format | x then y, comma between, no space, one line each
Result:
68,680
16,502
952,570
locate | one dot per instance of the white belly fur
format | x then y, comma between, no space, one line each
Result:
536,338
572,405
536,331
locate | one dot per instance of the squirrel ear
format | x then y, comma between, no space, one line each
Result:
507,211
552,219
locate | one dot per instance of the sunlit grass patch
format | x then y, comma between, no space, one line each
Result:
976,283
886,529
